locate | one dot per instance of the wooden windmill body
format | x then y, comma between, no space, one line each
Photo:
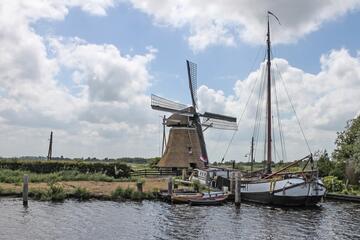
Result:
186,147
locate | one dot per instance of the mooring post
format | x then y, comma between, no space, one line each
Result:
184,174
232,183
207,179
139,186
237,189
25,190
170,185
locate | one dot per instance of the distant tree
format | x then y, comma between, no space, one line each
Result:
154,161
347,152
325,165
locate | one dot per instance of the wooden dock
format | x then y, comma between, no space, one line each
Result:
342,197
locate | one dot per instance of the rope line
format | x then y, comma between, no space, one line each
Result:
293,108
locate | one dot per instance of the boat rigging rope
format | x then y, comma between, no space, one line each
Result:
258,116
293,108
247,102
281,133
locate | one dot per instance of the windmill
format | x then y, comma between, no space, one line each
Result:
186,145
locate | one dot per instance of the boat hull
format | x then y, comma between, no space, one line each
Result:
291,192
208,202
287,201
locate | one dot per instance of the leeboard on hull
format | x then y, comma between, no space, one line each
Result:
285,192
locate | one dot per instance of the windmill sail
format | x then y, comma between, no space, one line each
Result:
192,75
219,124
163,104
218,116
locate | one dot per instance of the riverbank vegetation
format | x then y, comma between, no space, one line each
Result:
112,169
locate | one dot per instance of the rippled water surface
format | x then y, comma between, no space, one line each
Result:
158,220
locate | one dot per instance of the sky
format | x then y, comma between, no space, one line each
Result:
86,70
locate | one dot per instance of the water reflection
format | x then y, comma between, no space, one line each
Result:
157,220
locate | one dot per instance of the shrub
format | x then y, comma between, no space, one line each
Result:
81,193
56,192
116,170
119,192
333,184
137,196
149,195
128,193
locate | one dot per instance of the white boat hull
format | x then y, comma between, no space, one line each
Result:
285,192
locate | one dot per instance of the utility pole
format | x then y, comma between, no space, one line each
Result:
49,156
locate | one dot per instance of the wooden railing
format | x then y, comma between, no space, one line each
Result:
154,172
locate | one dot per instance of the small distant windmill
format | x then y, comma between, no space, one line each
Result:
186,145
49,156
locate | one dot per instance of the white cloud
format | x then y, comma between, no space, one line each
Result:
323,101
105,111
105,104
224,22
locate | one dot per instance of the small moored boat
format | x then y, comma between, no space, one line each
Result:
209,201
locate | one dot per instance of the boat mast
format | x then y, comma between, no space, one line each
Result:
268,167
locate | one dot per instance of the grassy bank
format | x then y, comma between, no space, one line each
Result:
47,187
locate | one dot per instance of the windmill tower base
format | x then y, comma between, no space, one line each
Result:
182,150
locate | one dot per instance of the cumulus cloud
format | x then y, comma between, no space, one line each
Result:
224,22
323,102
105,98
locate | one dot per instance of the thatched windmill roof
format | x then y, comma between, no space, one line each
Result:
182,150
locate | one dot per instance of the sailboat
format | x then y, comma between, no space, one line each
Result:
302,188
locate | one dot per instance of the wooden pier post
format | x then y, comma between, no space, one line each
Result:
139,186
170,186
237,189
232,183
184,174
25,190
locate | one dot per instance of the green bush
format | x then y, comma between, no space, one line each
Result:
119,192
130,194
137,196
116,170
81,193
56,192
333,184
16,176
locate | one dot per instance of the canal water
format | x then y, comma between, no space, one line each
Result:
157,220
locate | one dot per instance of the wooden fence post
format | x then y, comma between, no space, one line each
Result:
25,190
139,186
237,189
170,185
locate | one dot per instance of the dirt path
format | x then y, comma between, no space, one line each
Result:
97,188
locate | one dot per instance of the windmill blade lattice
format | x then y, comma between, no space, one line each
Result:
219,124
163,104
192,75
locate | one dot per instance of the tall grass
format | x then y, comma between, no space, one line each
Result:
16,176
130,194
81,193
